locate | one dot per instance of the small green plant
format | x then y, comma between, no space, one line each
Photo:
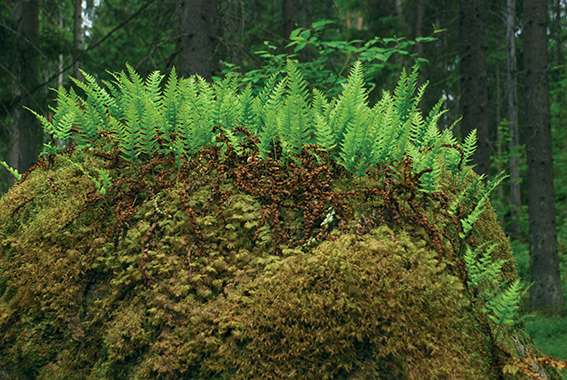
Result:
102,181
327,56
13,171
500,302
478,193
142,118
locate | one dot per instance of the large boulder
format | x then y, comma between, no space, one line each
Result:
199,273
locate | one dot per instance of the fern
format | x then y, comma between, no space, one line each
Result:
294,126
503,309
481,267
484,274
102,181
468,222
143,118
469,147
13,171
353,96
356,151
324,136
269,129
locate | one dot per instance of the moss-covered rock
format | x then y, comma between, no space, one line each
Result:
237,269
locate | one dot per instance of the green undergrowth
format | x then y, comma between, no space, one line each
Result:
549,333
194,231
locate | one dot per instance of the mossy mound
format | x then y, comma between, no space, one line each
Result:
237,268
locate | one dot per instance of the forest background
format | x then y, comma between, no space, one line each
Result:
497,66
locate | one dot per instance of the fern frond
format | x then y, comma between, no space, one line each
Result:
469,147
468,222
503,309
13,171
324,136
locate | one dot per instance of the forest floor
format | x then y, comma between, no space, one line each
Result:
548,333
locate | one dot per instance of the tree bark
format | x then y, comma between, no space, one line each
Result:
291,16
557,32
401,17
198,26
78,36
545,293
420,14
512,100
474,79
60,57
25,135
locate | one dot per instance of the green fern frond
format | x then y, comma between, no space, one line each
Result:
504,308
469,147
13,171
353,96
171,103
404,93
324,136
468,222
296,85
356,149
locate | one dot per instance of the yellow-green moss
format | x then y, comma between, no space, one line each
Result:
377,306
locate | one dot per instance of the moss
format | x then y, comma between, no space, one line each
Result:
204,272
377,306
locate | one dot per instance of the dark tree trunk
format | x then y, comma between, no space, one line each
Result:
295,14
557,32
77,36
474,79
512,100
25,135
289,17
545,293
198,37
559,58
420,13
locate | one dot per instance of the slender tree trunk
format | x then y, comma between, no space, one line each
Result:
514,131
198,43
25,134
405,30
289,17
420,14
474,79
559,58
233,16
557,32
545,293
78,36
60,58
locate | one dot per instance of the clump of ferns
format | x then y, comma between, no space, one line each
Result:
144,117
499,300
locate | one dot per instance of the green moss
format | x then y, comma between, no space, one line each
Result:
372,306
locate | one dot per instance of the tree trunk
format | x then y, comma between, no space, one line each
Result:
558,40
512,100
60,57
545,293
290,11
78,36
198,37
401,17
474,79
25,135
559,58
420,14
